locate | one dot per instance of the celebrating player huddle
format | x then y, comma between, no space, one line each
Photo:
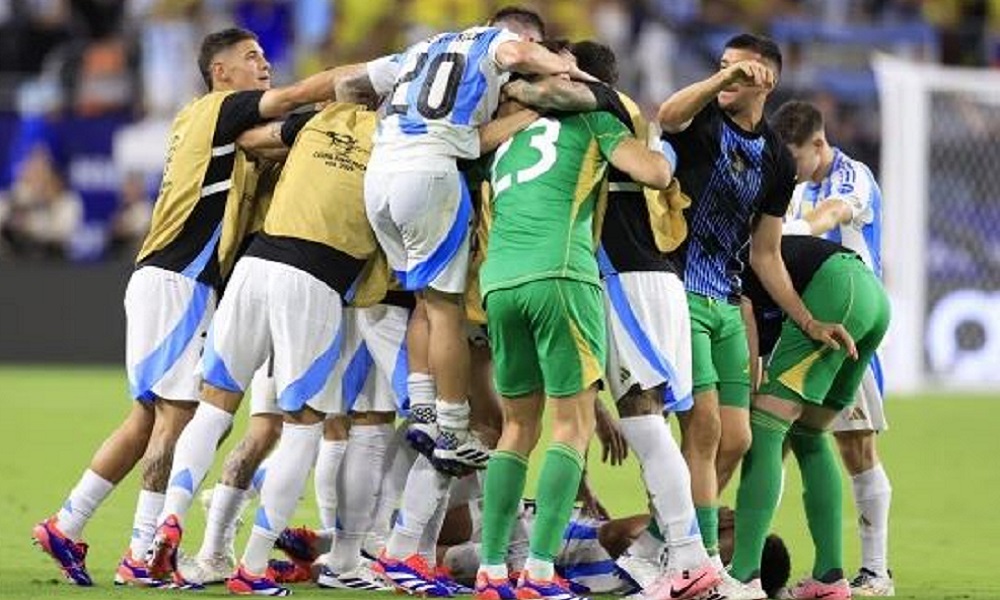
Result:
464,235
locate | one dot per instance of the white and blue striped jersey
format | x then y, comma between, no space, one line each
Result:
443,88
852,182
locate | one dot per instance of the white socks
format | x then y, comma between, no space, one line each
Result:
83,500
193,457
147,509
357,491
399,458
872,496
220,523
425,489
422,391
287,472
668,482
539,569
328,462
453,417
428,541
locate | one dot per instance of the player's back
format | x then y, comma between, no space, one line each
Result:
446,87
545,183
853,182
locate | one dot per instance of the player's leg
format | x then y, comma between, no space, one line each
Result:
519,381
216,559
400,457
701,427
237,344
855,430
731,356
305,319
166,314
437,263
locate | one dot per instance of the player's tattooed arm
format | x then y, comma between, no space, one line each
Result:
553,93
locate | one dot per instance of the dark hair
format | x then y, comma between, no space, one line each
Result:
775,565
797,121
521,15
216,42
597,59
557,45
764,46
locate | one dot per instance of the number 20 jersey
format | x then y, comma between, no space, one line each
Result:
443,89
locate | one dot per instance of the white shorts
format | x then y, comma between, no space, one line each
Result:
422,221
867,413
166,316
263,394
273,309
371,373
649,336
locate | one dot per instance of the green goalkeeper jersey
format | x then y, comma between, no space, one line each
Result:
546,180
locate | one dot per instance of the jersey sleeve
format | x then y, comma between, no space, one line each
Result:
853,185
239,111
382,73
293,125
779,193
607,130
504,36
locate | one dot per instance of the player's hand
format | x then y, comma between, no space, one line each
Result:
749,72
614,448
591,504
831,335
576,74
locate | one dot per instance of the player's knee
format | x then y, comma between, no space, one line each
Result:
858,450
335,428
222,399
734,444
702,432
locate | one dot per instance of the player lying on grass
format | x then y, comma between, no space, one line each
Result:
806,384
585,560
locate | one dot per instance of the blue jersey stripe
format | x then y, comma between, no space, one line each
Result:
473,85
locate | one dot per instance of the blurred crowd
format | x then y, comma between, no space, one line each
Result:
134,62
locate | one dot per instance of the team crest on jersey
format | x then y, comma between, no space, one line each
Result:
342,141
624,375
737,164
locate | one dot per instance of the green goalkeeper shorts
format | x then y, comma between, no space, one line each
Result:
843,290
548,334
720,357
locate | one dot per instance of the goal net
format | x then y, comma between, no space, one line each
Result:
941,183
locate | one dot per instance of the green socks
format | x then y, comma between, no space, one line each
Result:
557,487
822,498
505,476
757,498
708,523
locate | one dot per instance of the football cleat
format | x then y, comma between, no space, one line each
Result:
133,572
69,555
161,558
684,584
494,589
411,575
298,544
206,570
539,589
359,578
870,584
813,589
244,583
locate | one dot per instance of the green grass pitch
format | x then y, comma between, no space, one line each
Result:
941,455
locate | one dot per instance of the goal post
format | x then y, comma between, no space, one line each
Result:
940,178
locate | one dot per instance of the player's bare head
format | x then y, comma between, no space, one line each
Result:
598,60
800,126
738,97
232,59
523,21
775,565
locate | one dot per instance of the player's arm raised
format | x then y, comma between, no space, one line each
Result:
766,261
315,88
679,109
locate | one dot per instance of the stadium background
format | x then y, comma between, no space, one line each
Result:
88,88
